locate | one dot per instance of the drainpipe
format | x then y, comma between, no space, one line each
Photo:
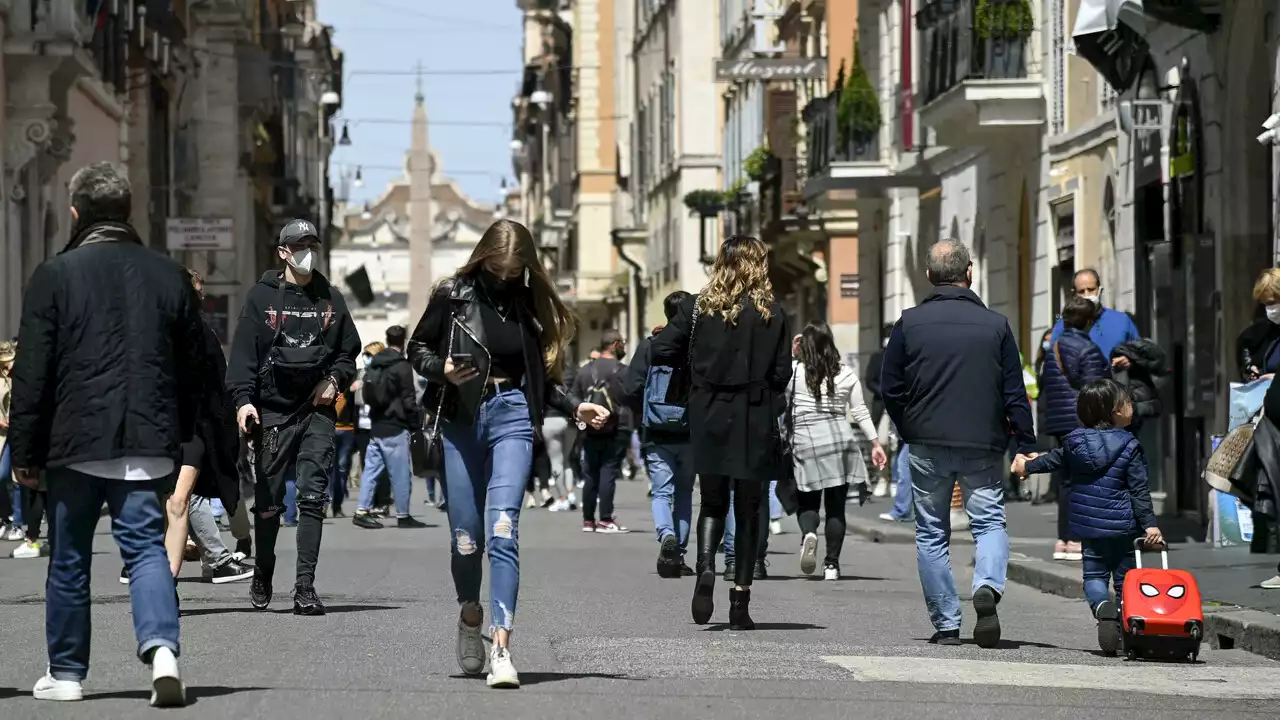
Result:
637,276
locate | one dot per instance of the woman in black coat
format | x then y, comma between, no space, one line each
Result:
734,343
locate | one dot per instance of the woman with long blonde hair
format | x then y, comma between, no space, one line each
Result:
734,345
491,346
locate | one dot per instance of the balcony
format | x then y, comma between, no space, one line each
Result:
854,164
780,189
976,81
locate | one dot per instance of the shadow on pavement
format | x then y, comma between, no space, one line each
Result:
722,627
329,610
10,693
539,678
193,693
1005,644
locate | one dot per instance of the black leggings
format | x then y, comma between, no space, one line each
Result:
33,511
834,498
747,496
1064,493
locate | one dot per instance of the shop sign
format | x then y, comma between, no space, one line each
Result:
771,69
850,286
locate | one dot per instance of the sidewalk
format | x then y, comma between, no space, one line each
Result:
1238,613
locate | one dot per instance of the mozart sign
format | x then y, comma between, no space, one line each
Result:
771,69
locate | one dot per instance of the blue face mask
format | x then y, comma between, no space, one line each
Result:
1046,345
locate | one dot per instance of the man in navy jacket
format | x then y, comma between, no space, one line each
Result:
952,384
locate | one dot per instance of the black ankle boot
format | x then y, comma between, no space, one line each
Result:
740,610
710,529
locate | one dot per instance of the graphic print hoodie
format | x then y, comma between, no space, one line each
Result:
313,314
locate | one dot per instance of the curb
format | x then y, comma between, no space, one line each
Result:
1227,627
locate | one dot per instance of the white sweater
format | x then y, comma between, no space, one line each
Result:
847,401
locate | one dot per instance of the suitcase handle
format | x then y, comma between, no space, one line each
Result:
1138,545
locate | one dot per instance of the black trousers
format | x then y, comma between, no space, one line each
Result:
747,496
1063,481
602,466
304,449
834,498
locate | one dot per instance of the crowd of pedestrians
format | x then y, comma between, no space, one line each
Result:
482,399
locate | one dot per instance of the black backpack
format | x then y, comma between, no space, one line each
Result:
377,390
598,394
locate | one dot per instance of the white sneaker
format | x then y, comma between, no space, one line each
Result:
809,554
530,503
47,688
959,520
14,532
167,689
1272,584
502,674
470,648
830,572
775,527
882,488
28,550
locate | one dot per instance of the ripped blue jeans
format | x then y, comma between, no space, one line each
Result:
487,465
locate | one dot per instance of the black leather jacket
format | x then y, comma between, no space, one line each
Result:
454,311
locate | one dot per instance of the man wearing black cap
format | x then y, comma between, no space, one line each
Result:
293,353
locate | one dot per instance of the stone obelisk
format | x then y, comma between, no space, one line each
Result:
421,214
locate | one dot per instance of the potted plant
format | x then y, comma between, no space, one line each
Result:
704,203
756,166
1003,27
858,118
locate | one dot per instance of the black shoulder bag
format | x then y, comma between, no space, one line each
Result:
426,447
293,372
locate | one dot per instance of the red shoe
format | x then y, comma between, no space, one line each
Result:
588,526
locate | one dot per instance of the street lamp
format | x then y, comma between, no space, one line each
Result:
359,181
330,98
541,98
345,139
516,146
367,214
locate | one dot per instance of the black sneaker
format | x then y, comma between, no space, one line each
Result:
986,631
1108,617
730,570
762,570
228,572
685,570
306,602
946,637
409,522
260,590
365,520
124,576
669,557
245,547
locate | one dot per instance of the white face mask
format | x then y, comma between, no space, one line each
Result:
302,260
1092,298
1273,313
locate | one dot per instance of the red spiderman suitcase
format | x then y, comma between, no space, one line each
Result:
1163,615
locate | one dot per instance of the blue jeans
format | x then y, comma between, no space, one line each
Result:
390,454
487,465
775,505
935,470
6,479
137,522
344,442
902,476
731,524
671,478
1106,559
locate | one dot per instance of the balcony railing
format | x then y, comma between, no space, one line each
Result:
959,45
825,143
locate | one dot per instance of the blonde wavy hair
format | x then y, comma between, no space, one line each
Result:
741,269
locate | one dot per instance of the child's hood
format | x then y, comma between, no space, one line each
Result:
1095,450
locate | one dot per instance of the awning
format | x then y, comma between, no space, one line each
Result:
1111,35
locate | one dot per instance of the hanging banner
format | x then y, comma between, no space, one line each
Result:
1111,36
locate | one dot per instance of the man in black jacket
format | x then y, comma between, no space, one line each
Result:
106,390
392,395
294,351
952,384
604,448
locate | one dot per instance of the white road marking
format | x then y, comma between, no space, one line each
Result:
1205,681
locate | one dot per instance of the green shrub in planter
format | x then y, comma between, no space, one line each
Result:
858,114
1004,18
704,202
757,163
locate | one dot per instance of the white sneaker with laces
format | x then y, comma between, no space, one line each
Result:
47,688
775,527
28,550
502,673
471,653
882,488
15,532
830,572
167,689
1272,584
809,554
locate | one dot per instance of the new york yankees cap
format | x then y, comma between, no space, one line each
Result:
296,231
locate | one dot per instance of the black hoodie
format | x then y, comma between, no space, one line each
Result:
401,413
314,314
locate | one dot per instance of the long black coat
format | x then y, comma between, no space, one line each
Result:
216,428
739,379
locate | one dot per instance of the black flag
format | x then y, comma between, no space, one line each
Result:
358,284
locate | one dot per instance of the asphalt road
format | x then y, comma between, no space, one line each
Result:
599,635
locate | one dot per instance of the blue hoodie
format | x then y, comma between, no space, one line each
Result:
1108,495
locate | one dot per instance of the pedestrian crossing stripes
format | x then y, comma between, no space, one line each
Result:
1202,681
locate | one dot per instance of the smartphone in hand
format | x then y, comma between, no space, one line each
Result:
462,360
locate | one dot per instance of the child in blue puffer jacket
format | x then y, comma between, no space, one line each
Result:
1109,501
